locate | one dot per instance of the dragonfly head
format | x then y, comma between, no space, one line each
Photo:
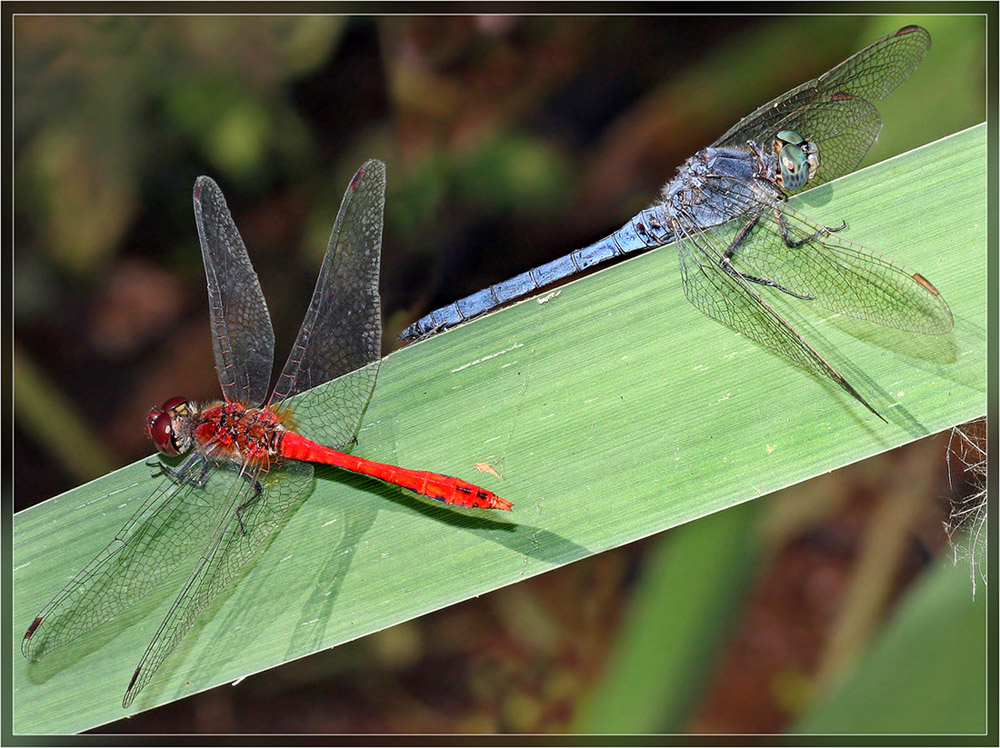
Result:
798,160
169,426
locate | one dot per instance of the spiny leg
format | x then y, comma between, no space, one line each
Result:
738,240
180,475
795,243
258,491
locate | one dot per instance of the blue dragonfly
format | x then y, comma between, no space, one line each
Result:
725,209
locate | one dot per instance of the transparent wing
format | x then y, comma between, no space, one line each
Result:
732,301
840,275
256,504
242,337
341,335
175,520
836,110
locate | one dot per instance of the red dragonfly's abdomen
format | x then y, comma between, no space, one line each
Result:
433,485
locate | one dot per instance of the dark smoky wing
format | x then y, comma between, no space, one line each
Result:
242,337
341,334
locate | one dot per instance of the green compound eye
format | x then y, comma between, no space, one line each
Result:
794,167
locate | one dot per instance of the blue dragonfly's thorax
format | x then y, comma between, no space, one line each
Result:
718,184
729,163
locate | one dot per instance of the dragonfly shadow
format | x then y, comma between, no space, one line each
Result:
931,353
932,349
816,198
522,538
967,336
352,523
311,633
319,609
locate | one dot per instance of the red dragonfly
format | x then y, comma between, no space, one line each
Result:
245,467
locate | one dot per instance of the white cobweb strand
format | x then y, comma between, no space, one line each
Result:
966,525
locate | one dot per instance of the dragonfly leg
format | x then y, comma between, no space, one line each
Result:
180,475
257,491
794,243
741,236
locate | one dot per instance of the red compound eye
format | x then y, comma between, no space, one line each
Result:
159,424
161,431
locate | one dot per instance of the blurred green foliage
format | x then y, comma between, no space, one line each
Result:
105,103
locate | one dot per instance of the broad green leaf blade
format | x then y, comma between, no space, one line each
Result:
925,674
613,410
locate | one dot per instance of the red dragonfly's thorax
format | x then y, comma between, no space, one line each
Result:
239,432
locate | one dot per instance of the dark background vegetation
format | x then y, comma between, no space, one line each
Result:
509,141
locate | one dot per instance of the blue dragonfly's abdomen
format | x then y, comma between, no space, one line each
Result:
645,231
